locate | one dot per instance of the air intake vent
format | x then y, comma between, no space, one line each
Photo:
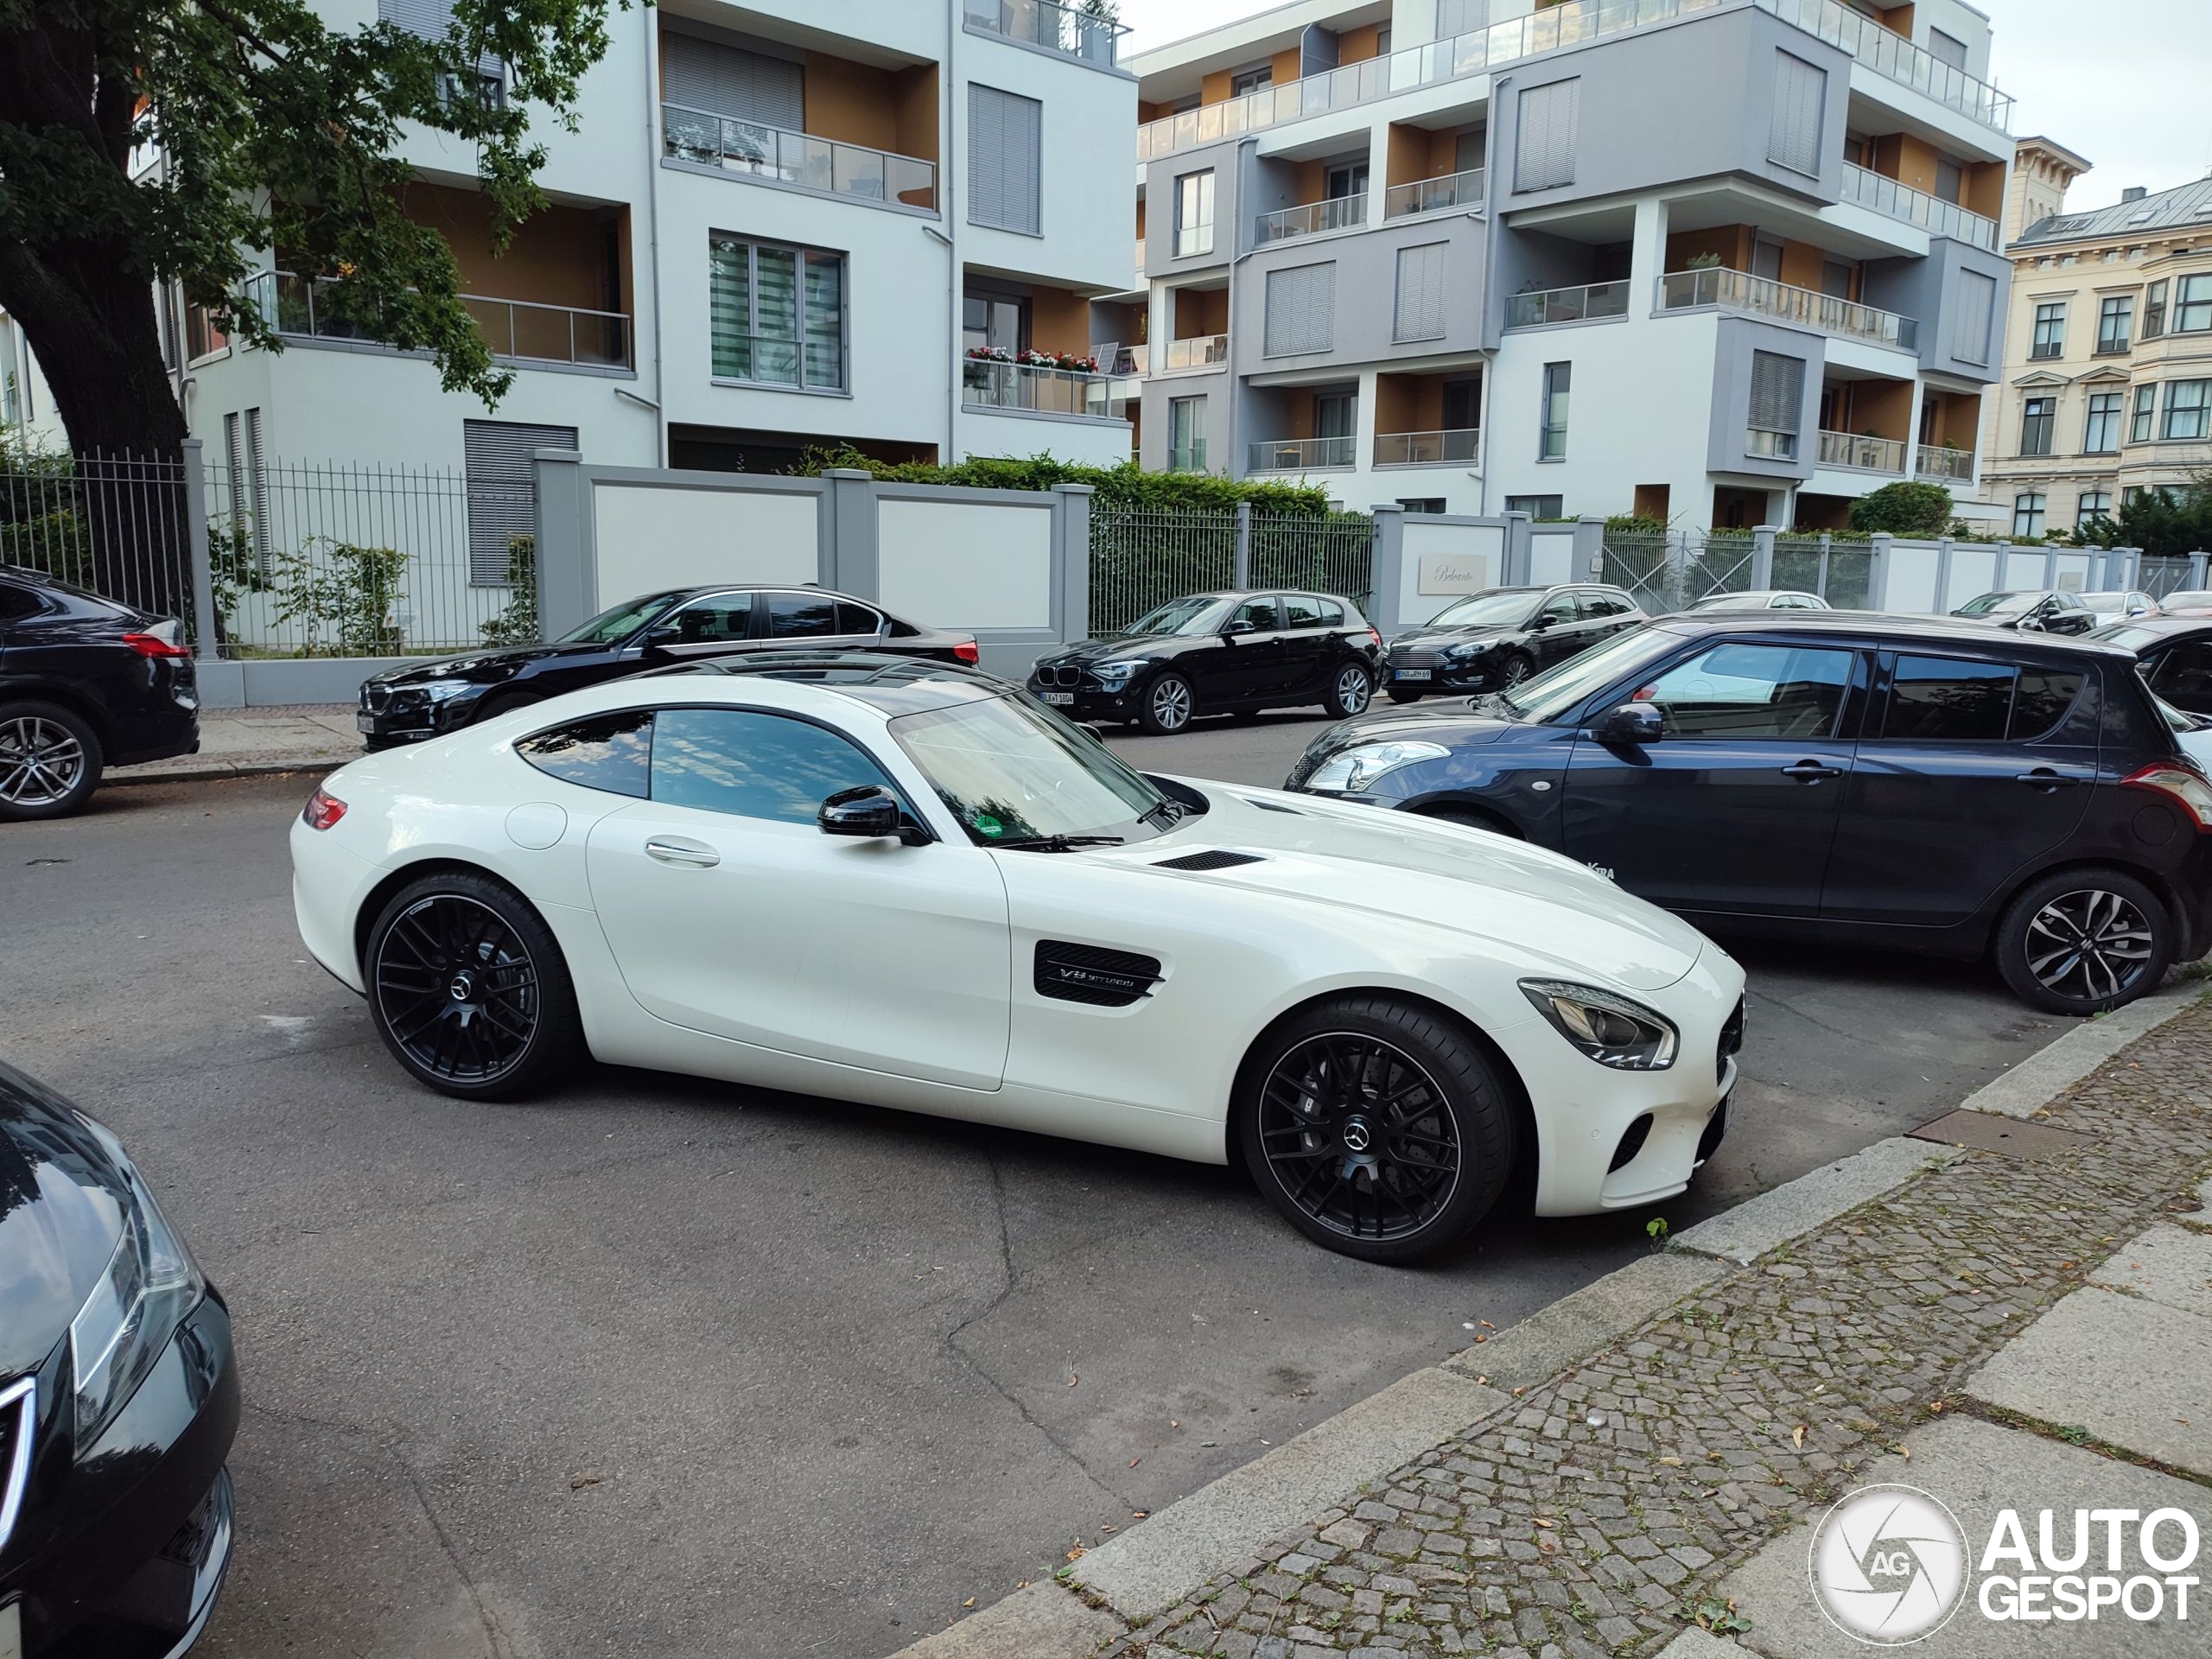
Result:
1218,859
1272,806
1093,973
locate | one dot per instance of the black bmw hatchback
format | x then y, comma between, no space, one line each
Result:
1929,785
1499,637
118,1400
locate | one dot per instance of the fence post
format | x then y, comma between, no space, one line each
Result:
1241,568
1763,557
2196,562
2049,568
1387,553
204,644
567,586
1877,571
847,560
1071,558
1678,570
1520,552
1589,549
1943,575
1827,545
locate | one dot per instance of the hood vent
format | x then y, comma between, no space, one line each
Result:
1270,806
1218,859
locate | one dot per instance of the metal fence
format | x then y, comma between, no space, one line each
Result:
117,525
1335,554
1672,571
2160,576
1841,572
1141,557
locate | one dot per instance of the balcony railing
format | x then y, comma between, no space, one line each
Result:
1202,351
1862,453
1337,214
1932,213
1054,27
1738,290
1480,51
517,331
1138,266
1041,390
1435,195
837,168
1192,458
1426,448
1302,454
1934,461
1566,305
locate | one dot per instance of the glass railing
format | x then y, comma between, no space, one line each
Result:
1426,448
1435,195
1479,51
1566,305
1192,458
986,384
1738,290
517,331
825,165
1077,32
1338,213
1932,213
1302,454
1200,353
1862,453
1934,461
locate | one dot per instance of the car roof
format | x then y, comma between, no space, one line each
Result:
2163,624
1877,628
894,685
1257,593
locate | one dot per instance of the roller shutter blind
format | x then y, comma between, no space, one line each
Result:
1801,91
1977,310
1301,310
1005,134
1777,391
431,19
502,490
728,80
1420,314
1546,124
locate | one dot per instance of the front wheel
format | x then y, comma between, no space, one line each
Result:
1376,1127
2082,941
1350,692
1517,668
1397,695
50,762
1167,706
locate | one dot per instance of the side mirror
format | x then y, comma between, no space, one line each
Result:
1230,630
1544,619
1630,724
666,634
868,812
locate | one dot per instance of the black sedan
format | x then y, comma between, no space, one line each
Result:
86,683
1233,652
663,630
1841,778
118,1398
2175,655
1501,636
2037,610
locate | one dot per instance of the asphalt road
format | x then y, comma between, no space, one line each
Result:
663,1368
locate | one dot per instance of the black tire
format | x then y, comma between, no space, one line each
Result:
1514,669
1473,817
1426,1173
469,988
2125,925
502,702
1169,706
1397,695
50,762
1351,688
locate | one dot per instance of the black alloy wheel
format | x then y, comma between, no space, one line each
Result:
1350,692
2083,941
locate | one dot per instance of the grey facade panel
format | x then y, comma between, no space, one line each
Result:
1958,294
1738,376
1367,265
1419,311
1301,310
1231,209
1006,136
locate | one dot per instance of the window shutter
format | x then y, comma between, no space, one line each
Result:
1548,121
430,19
502,490
1005,134
1801,91
1777,391
1421,293
1977,309
728,81
1302,309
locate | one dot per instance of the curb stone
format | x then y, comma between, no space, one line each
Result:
160,772
1743,1235
2050,1071
1039,1622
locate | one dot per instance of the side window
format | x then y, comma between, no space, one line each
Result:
1332,614
1602,605
609,752
2183,673
857,618
724,618
1560,608
1260,612
1941,699
1302,611
1738,691
17,602
2040,701
753,765
801,616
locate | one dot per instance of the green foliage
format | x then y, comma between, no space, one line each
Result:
1655,1230
518,624
2165,522
1806,533
1716,1614
1126,486
342,594
1635,524
1905,508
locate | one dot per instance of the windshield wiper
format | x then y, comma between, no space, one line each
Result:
1168,813
1059,843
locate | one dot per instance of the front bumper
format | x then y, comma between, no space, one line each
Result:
1086,700
1438,674
384,725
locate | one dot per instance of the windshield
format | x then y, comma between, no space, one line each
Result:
1505,609
1012,770
1552,693
2126,634
2105,601
1997,605
1732,602
619,623
1199,613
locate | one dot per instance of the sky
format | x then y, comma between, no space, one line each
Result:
2121,82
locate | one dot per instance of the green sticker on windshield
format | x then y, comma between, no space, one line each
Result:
988,825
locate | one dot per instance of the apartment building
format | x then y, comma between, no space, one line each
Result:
27,413
1720,262
2107,383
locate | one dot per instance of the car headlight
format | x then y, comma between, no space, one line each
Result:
1472,648
1356,768
431,692
1114,676
1610,1029
150,1283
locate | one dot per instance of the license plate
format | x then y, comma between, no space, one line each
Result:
1057,699
1410,673
11,1631
361,722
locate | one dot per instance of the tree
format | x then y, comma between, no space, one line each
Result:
1903,509
2166,522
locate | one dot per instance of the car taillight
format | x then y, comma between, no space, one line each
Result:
1377,638
968,652
2184,786
323,809
152,644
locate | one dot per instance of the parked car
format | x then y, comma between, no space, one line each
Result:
2120,606
1501,636
2037,611
430,699
968,907
1838,778
86,683
118,1398
2174,654
2187,602
1221,653
1760,598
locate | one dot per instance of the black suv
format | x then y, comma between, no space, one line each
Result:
1873,780
1499,637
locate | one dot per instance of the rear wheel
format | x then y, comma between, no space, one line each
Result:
50,762
2082,941
1349,691
1167,706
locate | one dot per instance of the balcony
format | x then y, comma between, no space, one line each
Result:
1897,57
1737,291
1863,454
1557,305
827,165
1310,219
1931,213
1934,461
517,331
1192,458
1458,446
1205,352
1435,195
1302,454
1035,388
1050,27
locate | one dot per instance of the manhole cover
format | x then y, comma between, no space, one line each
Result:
2013,1137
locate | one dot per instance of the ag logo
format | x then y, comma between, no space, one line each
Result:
1889,1565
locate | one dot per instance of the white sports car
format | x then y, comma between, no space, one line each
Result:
909,884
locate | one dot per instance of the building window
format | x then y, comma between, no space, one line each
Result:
1419,314
2102,436
1460,16
1950,182
1549,119
1187,444
502,485
2193,303
1251,81
2154,310
1301,310
993,320
2115,315
2091,504
1552,444
1194,214
776,315
1778,399
2028,515
1801,93
1006,134
2051,330
1537,506
2147,406
2189,409
2037,415
1433,505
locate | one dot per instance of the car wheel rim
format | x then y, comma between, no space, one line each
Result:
457,988
1171,703
1351,690
1359,1137
2089,945
40,762
1516,671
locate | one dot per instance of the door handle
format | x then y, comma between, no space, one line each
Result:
1811,771
2044,778
691,853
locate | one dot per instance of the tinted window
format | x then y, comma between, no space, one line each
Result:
609,752
801,616
1596,605
856,618
2040,701
753,766
1752,691
1299,611
619,623
1260,612
2183,673
1560,608
720,620
1332,614
17,602
1941,699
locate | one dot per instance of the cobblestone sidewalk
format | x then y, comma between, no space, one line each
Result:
1599,1518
